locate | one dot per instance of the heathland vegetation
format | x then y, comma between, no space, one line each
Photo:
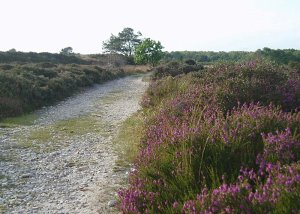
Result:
31,80
219,132
285,56
218,139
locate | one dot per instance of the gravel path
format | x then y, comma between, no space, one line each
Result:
63,165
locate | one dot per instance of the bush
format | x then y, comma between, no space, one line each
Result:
174,68
30,86
208,148
190,62
230,84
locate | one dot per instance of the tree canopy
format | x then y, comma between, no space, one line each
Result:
124,43
67,51
149,51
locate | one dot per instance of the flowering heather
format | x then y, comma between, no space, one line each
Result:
252,193
281,147
197,157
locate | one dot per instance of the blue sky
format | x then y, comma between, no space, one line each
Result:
217,25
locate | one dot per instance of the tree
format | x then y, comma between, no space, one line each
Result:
67,51
13,50
124,43
149,51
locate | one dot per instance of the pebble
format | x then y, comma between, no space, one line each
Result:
27,175
112,203
70,164
51,182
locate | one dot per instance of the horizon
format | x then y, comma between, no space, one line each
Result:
164,51
248,25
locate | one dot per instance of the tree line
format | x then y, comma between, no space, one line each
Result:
280,56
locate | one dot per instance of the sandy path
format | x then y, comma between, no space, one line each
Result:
61,164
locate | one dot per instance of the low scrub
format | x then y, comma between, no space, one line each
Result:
230,84
175,68
222,140
24,87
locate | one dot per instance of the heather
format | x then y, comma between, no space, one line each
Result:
24,87
175,68
224,139
31,80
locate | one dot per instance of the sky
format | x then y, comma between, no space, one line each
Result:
194,25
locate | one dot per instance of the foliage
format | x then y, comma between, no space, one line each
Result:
12,50
280,56
30,86
254,81
32,57
124,43
67,51
174,68
208,56
283,56
200,154
31,80
149,51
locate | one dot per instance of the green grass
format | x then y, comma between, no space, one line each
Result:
2,177
65,128
77,126
6,157
2,208
111,97
3,158
53,136
25,120
128,139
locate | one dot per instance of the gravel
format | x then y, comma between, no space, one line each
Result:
78,177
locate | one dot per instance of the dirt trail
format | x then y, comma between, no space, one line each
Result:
64,163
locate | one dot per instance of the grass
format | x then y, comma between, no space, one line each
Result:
136,69
110,98
5,158
76,126
128,139
2,177
2,208
54,135
25,120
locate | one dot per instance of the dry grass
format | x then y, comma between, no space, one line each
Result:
136,68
